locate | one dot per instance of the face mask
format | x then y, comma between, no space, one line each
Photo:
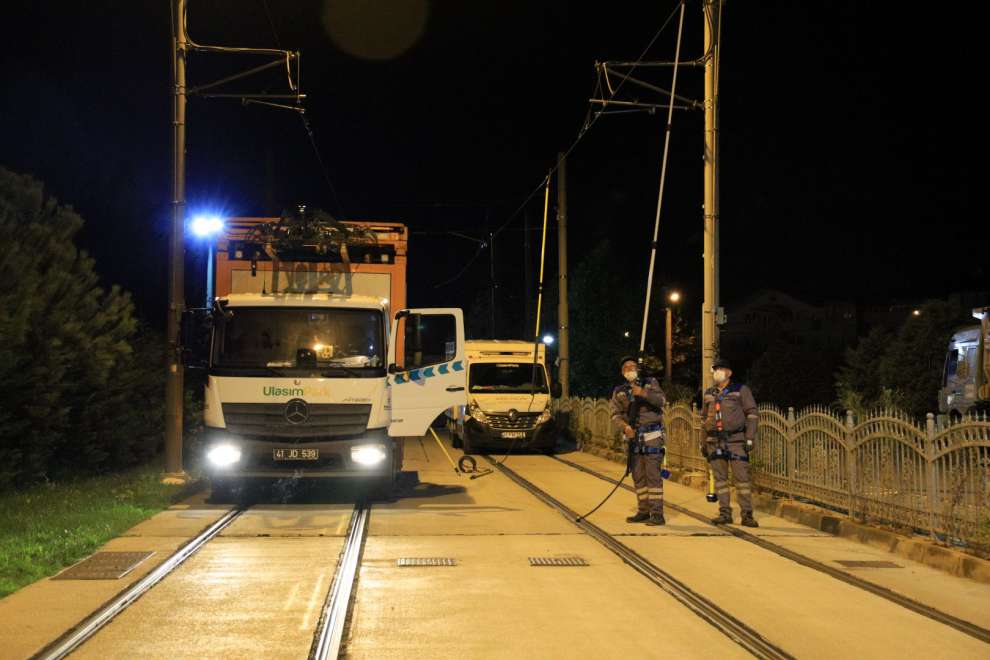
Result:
720,376
631,376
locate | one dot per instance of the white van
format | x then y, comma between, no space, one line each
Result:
504,409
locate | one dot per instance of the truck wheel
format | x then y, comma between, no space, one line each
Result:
221,492
383,489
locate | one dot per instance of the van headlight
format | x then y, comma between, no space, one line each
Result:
223,455
544,417
368,454
475,411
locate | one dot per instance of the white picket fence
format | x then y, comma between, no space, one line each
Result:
885,467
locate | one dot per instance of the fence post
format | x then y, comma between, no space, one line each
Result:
930,470
789,447
850,463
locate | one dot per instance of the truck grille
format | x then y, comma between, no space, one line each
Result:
504,422
322,420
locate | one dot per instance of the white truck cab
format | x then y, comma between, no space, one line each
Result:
508,402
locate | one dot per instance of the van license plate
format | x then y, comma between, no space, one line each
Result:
513,434
296,454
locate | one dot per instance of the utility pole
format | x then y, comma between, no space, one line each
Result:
668,374
491,262
563,321
181,46
527,274
710,306
176,286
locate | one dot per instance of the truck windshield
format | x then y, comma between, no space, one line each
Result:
509,377
300,341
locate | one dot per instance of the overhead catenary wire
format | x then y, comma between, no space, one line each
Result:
590,120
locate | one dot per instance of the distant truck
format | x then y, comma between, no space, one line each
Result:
315,367
508,403
966,376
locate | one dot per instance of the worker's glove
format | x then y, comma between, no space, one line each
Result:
749,445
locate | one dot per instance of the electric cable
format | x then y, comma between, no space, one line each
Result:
588,124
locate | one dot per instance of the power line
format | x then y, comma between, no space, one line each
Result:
590,120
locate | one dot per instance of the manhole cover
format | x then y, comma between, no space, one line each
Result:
427,561
557,561
104,566
852,563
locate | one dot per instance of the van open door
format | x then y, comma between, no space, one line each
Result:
426,368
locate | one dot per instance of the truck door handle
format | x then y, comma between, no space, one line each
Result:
454,388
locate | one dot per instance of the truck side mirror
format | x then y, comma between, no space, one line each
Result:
556,390
194,338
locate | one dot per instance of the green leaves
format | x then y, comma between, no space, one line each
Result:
65,345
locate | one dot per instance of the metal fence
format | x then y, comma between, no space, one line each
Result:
885,467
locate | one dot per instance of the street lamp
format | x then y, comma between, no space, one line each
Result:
547,339
672,299
206,227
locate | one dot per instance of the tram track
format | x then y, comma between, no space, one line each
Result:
928,611
745,636
76,636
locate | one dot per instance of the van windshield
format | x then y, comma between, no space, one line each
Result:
507,378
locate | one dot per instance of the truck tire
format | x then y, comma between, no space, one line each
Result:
221,491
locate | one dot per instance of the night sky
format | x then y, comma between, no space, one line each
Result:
849,136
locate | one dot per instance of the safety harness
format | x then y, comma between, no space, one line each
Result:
721,451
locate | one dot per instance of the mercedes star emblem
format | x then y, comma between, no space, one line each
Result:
296,411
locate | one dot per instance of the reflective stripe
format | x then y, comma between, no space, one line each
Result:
722,491
721,484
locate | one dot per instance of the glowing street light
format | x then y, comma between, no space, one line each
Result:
916,312
547,339
674,297
206,227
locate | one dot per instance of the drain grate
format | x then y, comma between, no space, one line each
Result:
104,566
852,563
557,561
426,561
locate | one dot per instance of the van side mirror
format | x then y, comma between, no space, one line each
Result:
556,390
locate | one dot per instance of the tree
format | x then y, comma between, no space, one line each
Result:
793,374
68,375
902,369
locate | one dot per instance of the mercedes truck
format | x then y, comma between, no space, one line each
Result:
315,368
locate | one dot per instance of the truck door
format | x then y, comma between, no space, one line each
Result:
426,368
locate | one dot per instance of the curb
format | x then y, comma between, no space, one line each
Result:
918,549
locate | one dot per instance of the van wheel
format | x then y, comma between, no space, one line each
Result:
455,441
468,446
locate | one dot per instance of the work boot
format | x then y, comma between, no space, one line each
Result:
723,519
639,517
749,521
656,519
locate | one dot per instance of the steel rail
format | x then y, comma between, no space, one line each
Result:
961,625
742,634
330,630
72,639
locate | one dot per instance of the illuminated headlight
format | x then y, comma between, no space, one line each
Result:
223,455
475,411
544,417
368,454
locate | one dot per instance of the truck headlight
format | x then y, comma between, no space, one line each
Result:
223,455
544,417
368,454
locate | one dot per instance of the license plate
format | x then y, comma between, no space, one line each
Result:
296,454
513,434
